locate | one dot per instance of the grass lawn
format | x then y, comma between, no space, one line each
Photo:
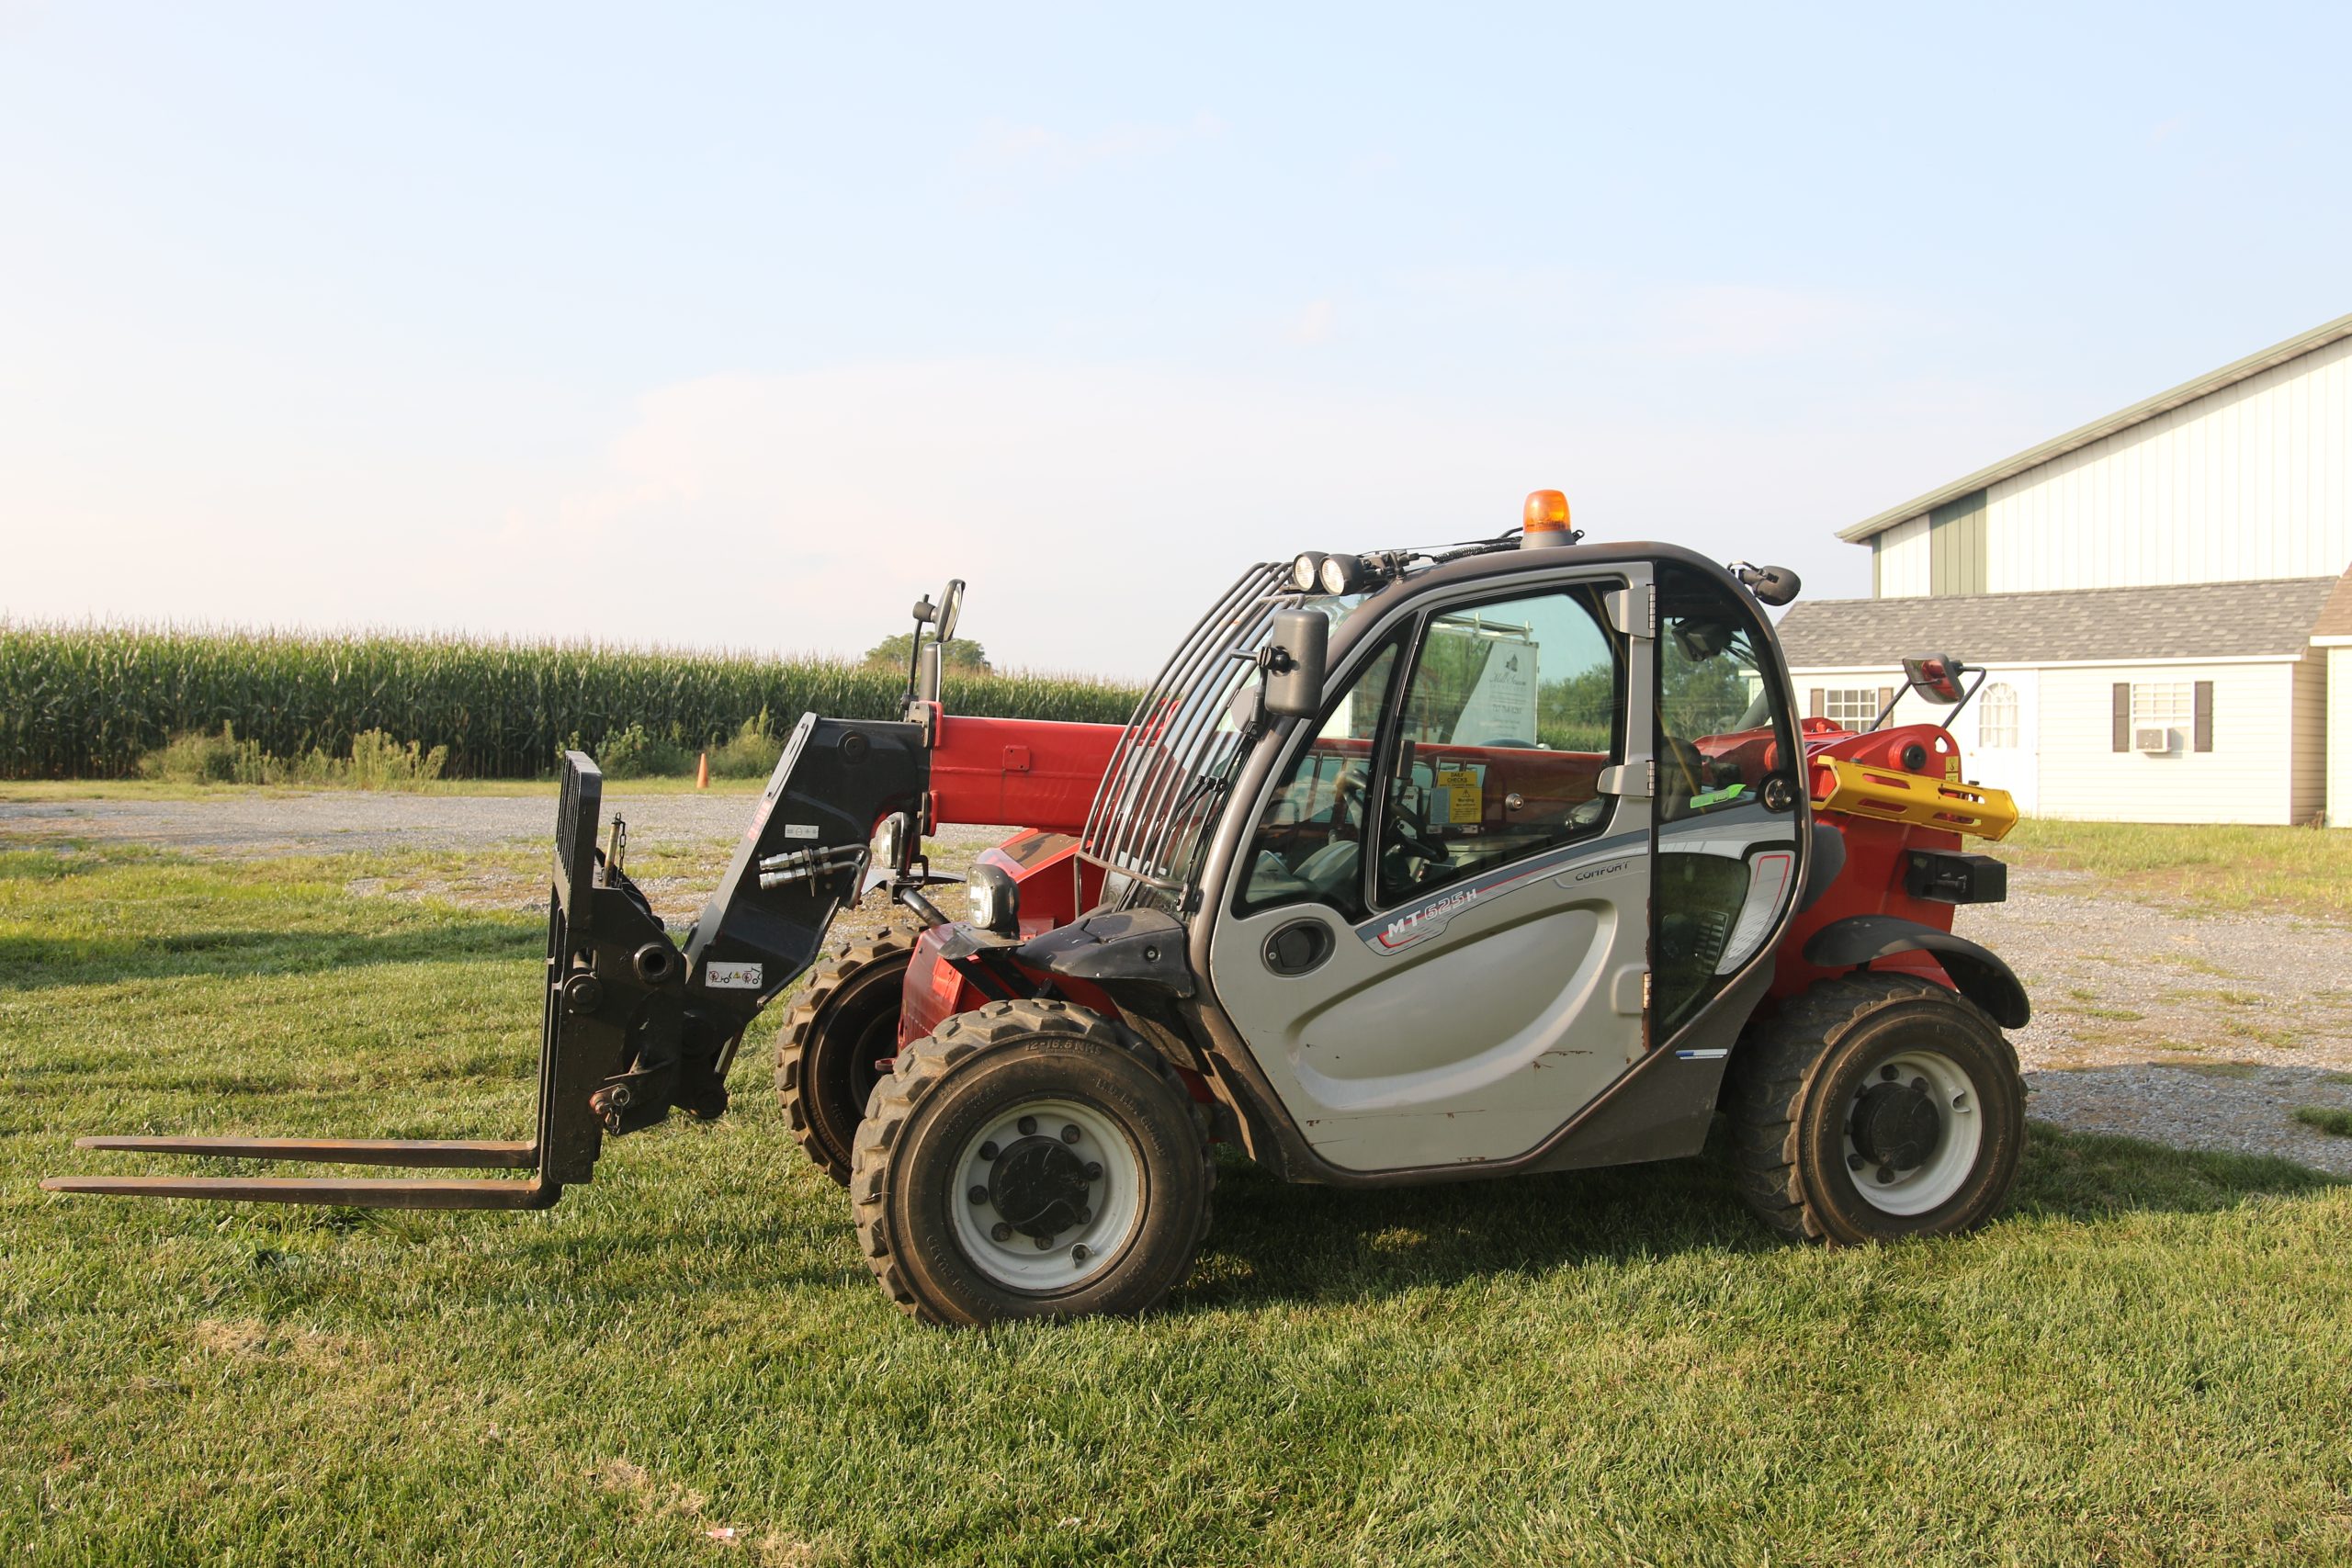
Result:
159,789
2149,1360
2303,871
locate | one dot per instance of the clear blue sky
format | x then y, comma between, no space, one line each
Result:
727,326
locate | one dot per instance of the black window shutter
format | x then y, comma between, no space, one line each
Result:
2122,715
2204,716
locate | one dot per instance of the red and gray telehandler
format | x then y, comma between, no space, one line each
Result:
1410,866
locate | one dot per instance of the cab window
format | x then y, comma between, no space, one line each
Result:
1515,708
1309,844
1726,845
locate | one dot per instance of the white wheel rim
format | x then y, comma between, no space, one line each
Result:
1944,1171
1074,1252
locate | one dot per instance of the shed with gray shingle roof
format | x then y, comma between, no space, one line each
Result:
2104,626
2162,595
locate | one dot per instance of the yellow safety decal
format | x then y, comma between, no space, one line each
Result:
1893,796
1464,804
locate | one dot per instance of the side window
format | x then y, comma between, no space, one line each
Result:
1309,846
1726,857
1715,727
1515,708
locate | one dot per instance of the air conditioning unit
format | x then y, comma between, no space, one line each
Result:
2154,739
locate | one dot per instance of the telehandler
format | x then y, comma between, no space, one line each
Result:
1415,865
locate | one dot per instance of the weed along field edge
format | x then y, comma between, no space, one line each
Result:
2144,1361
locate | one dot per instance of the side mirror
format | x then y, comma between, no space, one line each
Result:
1774,586
1293,663
1935,678
951,604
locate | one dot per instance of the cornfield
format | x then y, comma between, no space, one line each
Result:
88,702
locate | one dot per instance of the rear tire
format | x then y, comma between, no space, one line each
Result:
1030,1160
1876,1108
844,1021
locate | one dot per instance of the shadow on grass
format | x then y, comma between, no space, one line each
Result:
29,962
1276,1243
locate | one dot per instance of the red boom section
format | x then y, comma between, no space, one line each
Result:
1030,772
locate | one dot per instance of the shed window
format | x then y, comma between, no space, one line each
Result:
2182,710
1997,718
1852,708
2164,703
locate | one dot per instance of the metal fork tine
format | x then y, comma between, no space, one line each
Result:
453,1154
371,1193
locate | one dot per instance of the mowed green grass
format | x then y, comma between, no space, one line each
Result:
2303,871
2149,1360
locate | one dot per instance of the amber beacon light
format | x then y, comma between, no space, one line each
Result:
1547,521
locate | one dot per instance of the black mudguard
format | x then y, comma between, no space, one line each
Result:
1977,971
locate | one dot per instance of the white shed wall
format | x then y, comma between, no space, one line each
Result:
2310,798
2253,481
2339,737
2247,777
1903,561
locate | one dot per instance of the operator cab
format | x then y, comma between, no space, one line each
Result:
1473,837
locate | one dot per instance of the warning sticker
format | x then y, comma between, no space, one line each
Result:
1457,788
730,976
801,830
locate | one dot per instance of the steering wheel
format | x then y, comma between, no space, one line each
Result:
1410,830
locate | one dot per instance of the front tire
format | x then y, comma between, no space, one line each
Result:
843,1022
1030,1160
1875,1108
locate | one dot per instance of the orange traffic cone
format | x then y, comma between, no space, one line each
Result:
702,772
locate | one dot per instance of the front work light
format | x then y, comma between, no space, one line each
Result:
996,900
1342,574
1306,570
890,846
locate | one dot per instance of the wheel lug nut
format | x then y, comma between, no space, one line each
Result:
1001,1231
1890,1072
1885,1174
1093,1171
989,1151
1080,1253
1070,1133
1086,1216
1028,1125
1920,1085
978,1194
1045,1244
1853,1162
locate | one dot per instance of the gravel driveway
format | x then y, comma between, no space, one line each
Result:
2198,1031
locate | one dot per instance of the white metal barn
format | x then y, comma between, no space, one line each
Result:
2162,598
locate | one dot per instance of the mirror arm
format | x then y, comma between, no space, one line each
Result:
1966,697
922,614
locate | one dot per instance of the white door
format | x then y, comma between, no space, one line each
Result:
1997,735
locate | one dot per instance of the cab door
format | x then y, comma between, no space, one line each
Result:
1436,932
